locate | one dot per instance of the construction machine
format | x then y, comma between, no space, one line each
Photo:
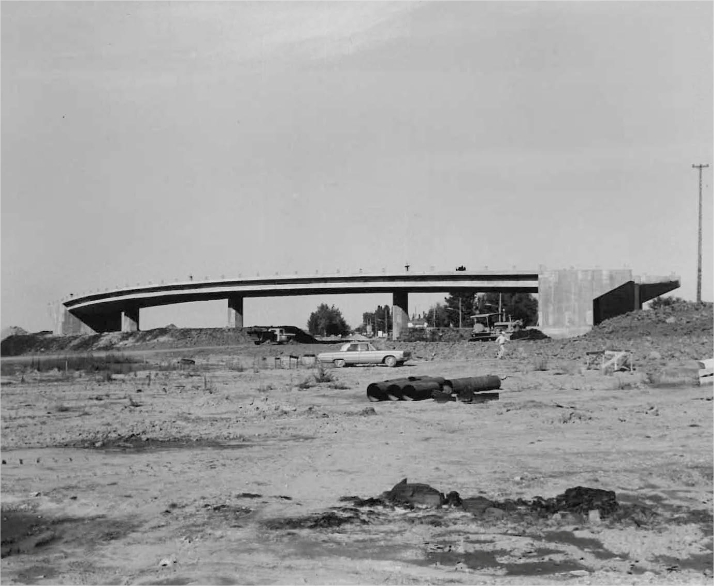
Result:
488,326
271,335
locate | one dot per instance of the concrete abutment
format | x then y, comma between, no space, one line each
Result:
571,301
130,319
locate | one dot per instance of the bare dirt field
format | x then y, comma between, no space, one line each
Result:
235,471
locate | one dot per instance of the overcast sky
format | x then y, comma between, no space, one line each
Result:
150,141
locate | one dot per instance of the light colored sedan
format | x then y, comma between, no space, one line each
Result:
364,353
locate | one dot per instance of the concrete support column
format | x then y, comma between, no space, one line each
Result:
130,320
400,313
235,312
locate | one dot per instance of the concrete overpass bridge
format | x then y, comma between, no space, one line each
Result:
570,301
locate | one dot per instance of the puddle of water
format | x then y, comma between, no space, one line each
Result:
134,445
474,560
137,444
488,560
367,549
34,574
15,525
683,514
24,533
592,545
697,562
542,567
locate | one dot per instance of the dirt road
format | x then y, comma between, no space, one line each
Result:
232,473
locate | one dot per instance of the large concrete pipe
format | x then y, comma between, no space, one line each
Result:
466,388
420,390
392,390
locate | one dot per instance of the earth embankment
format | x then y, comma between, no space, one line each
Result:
680,333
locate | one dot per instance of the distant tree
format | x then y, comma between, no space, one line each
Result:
463,304
380,319
327,321
521,306
659,302
437,316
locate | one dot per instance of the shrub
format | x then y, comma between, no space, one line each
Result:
660,301
322,375
339,386
305,384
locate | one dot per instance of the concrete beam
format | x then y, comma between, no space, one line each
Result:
130,320
400,313
235,312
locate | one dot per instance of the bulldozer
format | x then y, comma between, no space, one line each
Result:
488,326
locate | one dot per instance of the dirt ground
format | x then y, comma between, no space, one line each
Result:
232,471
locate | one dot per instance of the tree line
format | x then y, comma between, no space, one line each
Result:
456,311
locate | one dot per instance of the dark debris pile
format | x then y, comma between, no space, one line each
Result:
577,503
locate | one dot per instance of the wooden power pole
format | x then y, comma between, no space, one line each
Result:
699,243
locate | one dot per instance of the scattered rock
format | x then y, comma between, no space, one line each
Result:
169,561
495,513
414,494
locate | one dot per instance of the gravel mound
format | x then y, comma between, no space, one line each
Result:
685,318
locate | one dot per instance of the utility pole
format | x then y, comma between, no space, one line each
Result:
699,247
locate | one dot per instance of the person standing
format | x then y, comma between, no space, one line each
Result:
501,341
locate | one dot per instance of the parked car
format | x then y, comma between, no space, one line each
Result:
364,353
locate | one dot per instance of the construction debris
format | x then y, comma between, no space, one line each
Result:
706,371
610,361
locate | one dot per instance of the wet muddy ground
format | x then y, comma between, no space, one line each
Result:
226,475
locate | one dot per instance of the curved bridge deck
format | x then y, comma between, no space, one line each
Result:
119,309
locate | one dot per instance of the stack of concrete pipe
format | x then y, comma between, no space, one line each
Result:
420,388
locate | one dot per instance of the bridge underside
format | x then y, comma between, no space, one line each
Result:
570,301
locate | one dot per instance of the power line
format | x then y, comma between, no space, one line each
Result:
699,249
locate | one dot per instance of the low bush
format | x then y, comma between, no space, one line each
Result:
340,386
322,375
305,384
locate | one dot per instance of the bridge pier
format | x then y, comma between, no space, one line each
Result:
235,312
400,312
130,320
